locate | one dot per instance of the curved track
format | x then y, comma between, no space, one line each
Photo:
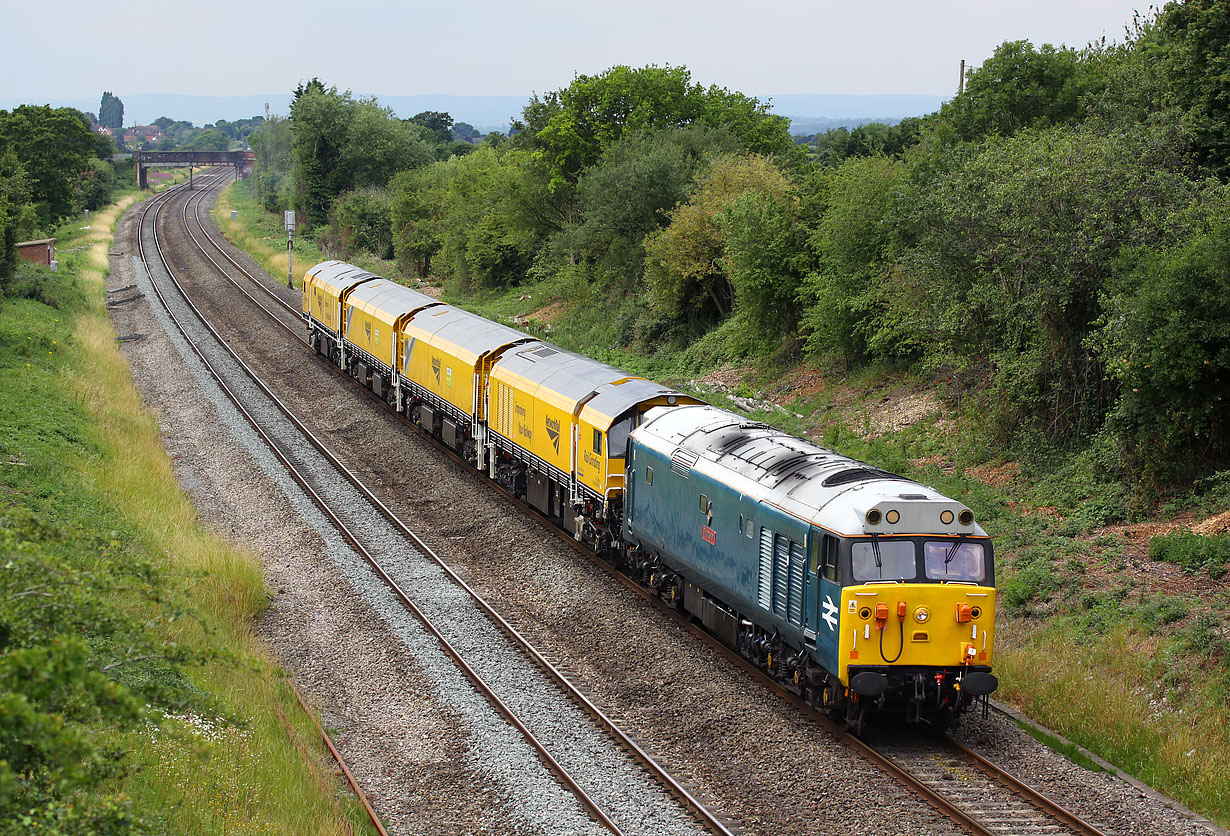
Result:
153,249
966,788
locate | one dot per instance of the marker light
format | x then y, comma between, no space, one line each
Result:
921,615
892,517
946,518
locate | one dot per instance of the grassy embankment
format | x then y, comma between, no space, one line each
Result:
1090,643
88,489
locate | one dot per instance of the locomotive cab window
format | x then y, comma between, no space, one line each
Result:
824,555
648,475
955,561
598,442
617,437
704,504
883,560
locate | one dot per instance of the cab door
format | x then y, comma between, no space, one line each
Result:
823,600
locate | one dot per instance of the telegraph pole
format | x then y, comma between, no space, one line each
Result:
961,82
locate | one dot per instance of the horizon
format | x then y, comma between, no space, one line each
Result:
491,49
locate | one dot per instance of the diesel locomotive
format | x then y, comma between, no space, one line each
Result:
858,589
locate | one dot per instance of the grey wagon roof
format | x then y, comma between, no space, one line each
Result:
559,370
339,275
466,331
389,299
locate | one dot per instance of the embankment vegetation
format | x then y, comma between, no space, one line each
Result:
135,697
1043,261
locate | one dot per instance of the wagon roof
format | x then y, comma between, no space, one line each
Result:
337,276
469,335
386,300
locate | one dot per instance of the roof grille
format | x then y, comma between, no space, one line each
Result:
682,461
544,351
857,474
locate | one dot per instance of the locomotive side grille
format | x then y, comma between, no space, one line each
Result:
765,582
797,562
781,574
682,461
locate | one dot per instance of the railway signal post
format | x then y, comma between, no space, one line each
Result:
290,248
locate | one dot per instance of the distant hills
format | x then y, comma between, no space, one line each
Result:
808,112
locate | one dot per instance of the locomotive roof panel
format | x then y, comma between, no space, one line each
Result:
797,476
563,373
614,399
387,300
339,275
468,334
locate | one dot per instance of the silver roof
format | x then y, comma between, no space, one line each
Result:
339,275
614,399
559,370
801,478
388,298
466,331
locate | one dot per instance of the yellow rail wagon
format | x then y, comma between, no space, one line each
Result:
446,354
325,287
373,314
538,395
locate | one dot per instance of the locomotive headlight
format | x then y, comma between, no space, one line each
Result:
922,614
873,516
946,518
892,517
966,517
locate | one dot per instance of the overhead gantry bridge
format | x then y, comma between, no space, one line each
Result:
241,161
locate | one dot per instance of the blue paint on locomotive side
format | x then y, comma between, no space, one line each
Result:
665,518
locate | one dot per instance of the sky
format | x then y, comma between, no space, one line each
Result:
481,47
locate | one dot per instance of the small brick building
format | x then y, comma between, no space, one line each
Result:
40,252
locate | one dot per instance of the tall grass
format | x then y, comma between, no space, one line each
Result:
260,770
1102,692
261,234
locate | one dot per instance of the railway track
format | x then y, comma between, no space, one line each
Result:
293,461
969,790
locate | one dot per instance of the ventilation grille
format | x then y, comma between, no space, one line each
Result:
857,474
682,461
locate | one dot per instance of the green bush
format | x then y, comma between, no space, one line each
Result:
1194,552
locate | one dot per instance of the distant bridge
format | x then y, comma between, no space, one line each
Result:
242,161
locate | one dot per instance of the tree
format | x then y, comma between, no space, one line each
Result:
1164,338
440,125
683,262
1015,241
55,149
765,258
1019,87
378,145
319,121
1192,41
568,129
111,114
464,132
417,200
627,195
16,212
210,139
849,296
